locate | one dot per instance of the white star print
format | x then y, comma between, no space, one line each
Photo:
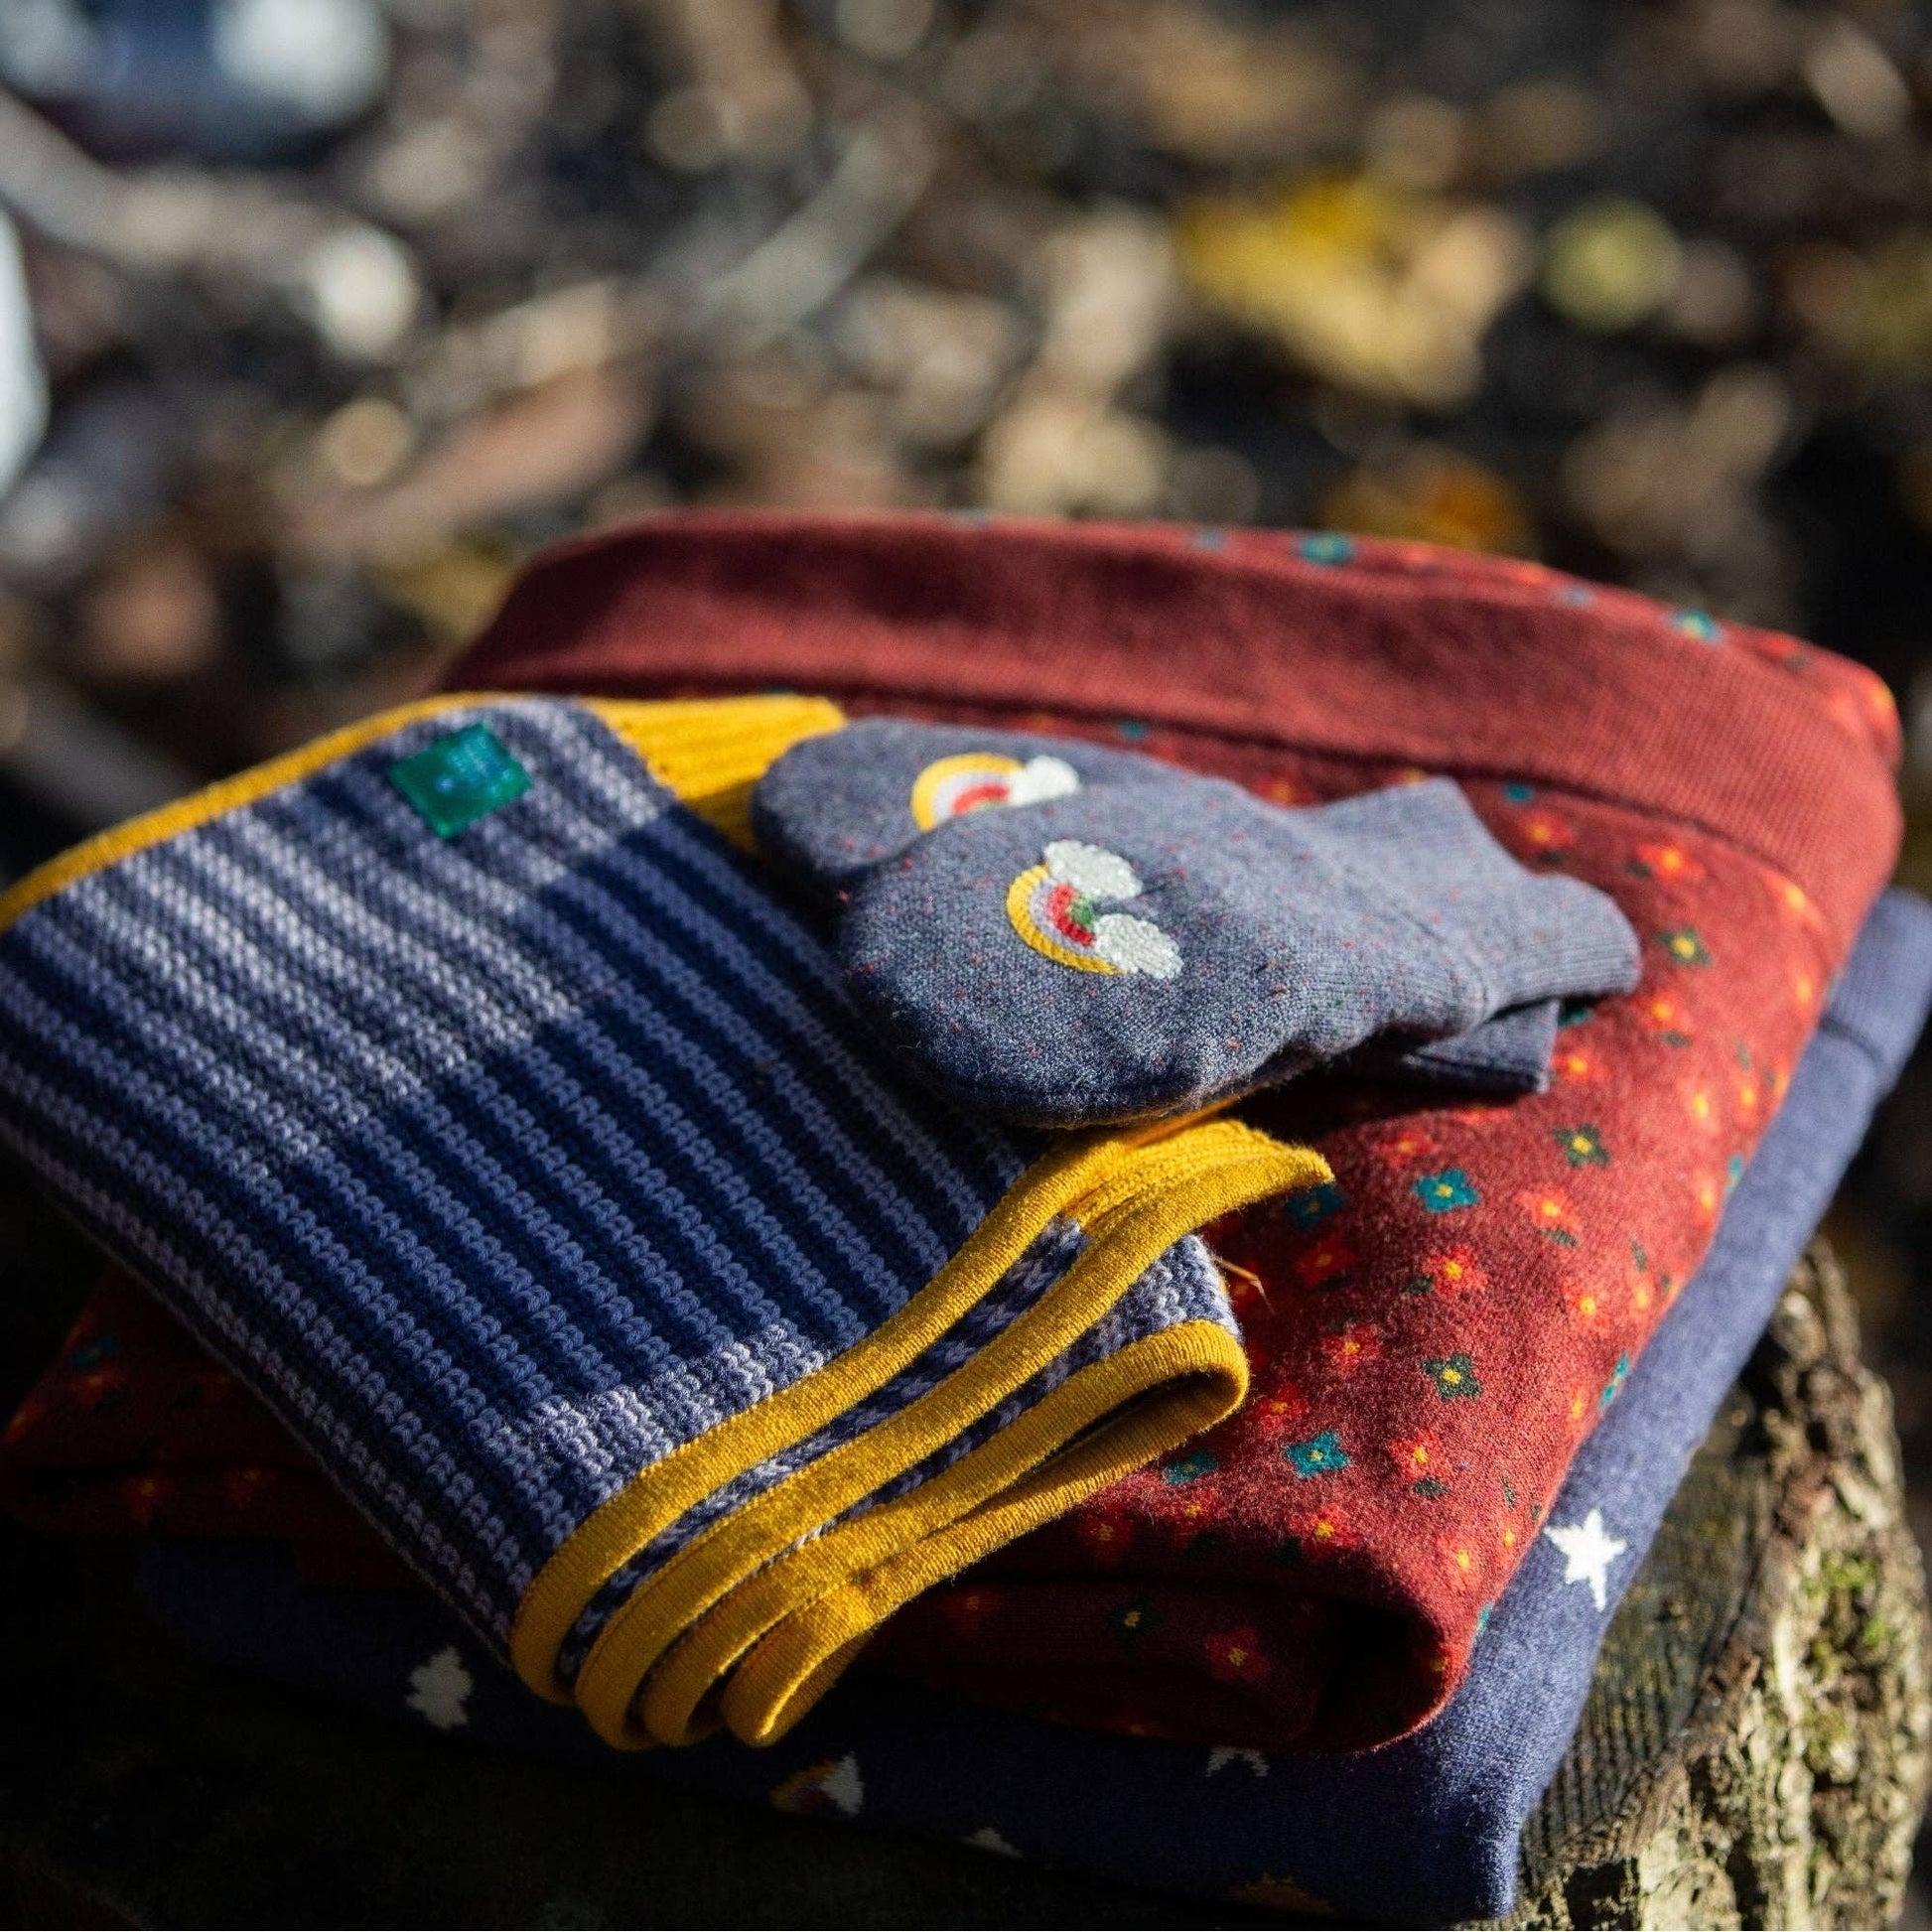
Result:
1587,1553
439,1688
987,1840
1227,1754
844,1786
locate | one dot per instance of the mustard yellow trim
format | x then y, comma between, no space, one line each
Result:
1134,1192
613,1533
1150,1196
1203,1377
1019,916
709,751
820,1600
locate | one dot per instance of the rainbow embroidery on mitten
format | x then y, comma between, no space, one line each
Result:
1391,925
1053,907
978,781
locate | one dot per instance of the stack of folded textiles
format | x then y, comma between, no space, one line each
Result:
696,1173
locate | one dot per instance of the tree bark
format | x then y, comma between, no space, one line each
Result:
1755,1749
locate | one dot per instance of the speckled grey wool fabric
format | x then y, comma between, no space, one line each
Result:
832,808
1190,941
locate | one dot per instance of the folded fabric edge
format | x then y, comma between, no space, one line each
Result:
1880,998
707,754
1875,1017
785,1638
613,1534
223,1599
1040,616
1132,1207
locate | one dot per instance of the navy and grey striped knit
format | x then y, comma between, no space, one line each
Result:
1184,1284
501,1164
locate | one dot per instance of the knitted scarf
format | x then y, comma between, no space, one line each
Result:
464,1087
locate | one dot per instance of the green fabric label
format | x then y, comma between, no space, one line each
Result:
459,779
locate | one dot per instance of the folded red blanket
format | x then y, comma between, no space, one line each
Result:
134,1430
1432,1336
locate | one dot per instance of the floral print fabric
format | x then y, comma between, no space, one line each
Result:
1431,1338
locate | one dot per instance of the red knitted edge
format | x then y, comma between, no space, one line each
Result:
1446,662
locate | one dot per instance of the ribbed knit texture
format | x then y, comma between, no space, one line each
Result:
366,1102
1393,652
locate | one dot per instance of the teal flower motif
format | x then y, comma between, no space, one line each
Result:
1455,1377
1578,596
1325,547
1430,1488
1320,1456
1206,540
1733,1173
1615,1386
1700,624
1314,1206
1189,1469
1583,1146
1133,729
1518,793
95,1350
1685,945
1445,1191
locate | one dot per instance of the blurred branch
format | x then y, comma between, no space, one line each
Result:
782,280
875,184
353,281
586,325
77,763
